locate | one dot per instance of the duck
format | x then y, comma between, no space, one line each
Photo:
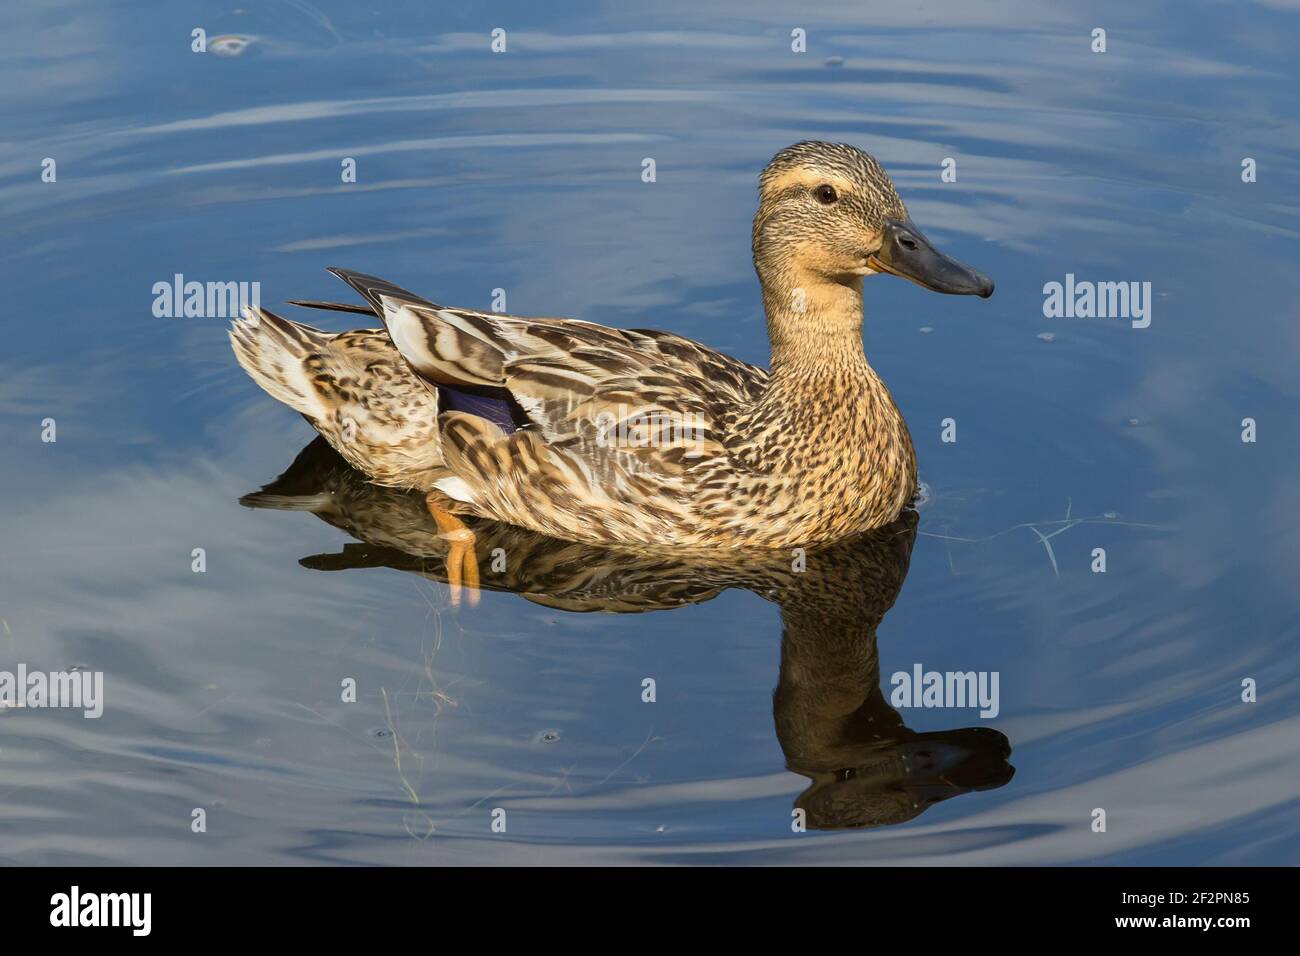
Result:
637,437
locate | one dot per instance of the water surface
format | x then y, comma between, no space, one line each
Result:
521,171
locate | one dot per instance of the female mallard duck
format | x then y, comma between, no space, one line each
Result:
632,436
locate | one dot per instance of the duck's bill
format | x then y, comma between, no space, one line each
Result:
907,253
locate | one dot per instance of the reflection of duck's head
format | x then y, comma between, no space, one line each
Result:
893,775
832,720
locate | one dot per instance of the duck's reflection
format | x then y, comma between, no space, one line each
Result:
832,720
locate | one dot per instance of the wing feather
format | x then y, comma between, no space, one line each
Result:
618,416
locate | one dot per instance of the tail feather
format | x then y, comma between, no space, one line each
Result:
333,306
272,351
354,388
374,290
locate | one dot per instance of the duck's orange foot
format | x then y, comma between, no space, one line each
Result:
462,562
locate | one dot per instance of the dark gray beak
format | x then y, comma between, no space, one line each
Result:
907,253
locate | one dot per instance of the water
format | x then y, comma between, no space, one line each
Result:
521,171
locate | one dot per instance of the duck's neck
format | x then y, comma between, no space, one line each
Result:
815,329
823,394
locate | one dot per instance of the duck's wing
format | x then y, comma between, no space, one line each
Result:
463,347
612,416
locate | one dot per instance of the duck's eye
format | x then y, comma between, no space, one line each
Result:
825,194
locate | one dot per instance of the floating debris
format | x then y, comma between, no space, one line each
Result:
548,736
1134,422
923,495
927,329
229,45
835,61
1047,336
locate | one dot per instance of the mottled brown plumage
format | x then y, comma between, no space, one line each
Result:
636,436
355,389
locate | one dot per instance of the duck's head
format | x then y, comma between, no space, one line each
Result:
828,214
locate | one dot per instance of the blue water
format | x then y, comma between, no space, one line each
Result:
521,171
